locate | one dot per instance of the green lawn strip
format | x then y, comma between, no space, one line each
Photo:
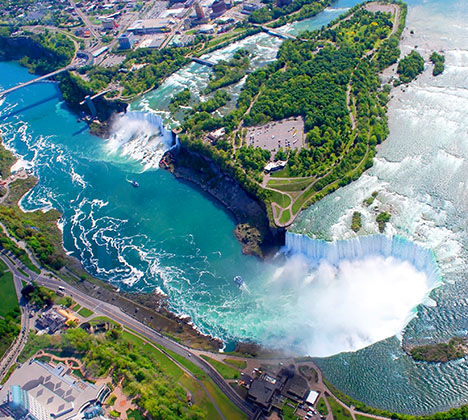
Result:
3,266
200,397
7,294
172,369
289,185
85,312
339,412
23,272
288,411
322,407
360,417
285,216
135,415
28,263
76,307
224,403
227,372
282,199
239,364
99,319
9,373
229,410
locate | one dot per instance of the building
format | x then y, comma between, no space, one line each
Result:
275,166
248,8
126,41
218,8
206,29
107,23
39,391
51,321
199,10
270,390
150,26
214,136
262,389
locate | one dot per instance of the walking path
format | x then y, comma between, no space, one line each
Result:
279,211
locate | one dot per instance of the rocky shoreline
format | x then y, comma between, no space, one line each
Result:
148,308
253,229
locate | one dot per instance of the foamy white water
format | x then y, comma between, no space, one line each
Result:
140,136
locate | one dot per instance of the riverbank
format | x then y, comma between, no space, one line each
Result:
38,227
253,229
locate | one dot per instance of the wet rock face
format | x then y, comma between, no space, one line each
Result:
253,228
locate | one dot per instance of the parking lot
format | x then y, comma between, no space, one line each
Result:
285,134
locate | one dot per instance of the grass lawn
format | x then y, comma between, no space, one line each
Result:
77,373
360,417
322,407
227,372
282,199
135,414
339,412
200,398
23,272
7,293
85,312
285,216
230,411
239,364
76,308
288,412
9,373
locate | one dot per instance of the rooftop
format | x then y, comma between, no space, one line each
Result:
51,388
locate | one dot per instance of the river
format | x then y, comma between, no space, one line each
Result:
169,235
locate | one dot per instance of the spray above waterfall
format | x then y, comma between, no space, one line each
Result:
345,295
140,136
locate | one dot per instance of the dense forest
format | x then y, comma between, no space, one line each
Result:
9,329
410,66
324,77
226,73
41,53
141,374
439,63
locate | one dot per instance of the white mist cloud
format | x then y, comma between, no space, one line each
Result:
330,309
137,138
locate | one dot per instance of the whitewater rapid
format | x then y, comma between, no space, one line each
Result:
339,297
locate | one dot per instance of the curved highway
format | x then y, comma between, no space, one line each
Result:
113,312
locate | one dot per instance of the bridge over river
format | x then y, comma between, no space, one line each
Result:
36,80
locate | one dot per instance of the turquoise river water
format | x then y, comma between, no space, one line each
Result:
348,302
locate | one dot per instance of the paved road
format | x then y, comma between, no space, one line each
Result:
111,311
16,348
86,22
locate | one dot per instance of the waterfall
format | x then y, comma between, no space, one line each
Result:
398,247
141,136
